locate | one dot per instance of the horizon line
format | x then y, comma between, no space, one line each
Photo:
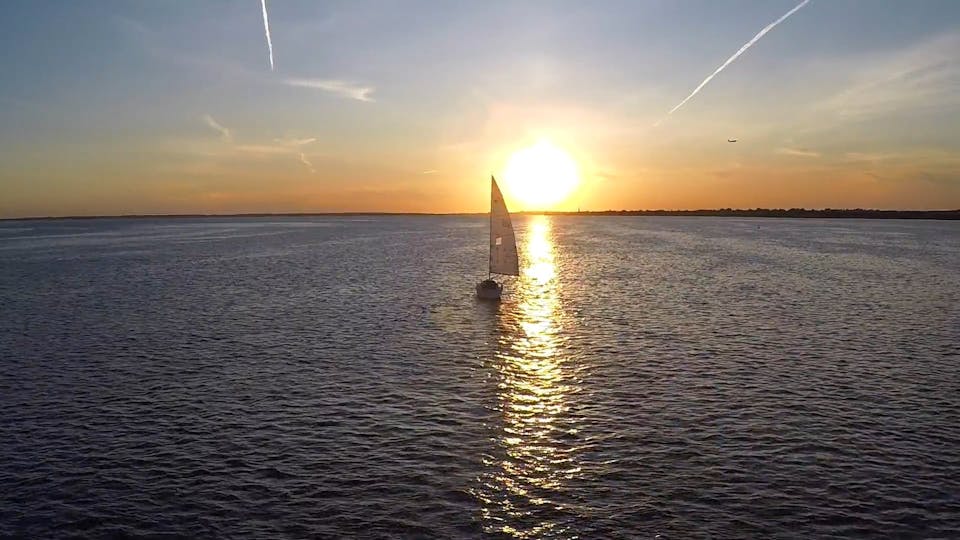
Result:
698,212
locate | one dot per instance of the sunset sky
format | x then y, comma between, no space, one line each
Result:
139,106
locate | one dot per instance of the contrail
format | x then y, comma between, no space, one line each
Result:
266,29
736,55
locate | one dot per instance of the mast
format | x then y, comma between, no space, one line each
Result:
490,232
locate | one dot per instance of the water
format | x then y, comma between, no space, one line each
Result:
329,377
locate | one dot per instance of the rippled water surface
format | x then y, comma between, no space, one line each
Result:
335,377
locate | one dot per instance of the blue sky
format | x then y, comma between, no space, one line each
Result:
142,106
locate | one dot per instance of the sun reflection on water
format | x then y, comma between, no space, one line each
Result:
534,455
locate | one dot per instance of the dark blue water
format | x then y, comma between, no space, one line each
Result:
335,377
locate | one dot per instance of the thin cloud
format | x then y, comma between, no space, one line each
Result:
940,158
867,156
344,89
284,147
263,149
266,30
431,171
214,125
798,152
305,161
923,77
736,55
296,142
296,146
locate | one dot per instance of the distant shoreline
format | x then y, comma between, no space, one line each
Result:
828,213
831,213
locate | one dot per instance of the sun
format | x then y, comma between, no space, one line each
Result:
540,176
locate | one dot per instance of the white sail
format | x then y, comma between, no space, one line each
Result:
503,244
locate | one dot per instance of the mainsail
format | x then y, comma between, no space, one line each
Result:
503,244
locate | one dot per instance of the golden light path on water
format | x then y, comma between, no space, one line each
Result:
534,457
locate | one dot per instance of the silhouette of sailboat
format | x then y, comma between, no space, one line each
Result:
503,246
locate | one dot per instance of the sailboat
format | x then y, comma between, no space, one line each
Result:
503,246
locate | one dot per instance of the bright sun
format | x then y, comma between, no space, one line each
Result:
540,176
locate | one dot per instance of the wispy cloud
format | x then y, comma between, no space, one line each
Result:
220,156
925,76
305,161
214,125
867,156
292,146
295,142
736,55
297,145
430,171
798,152
344,89
939,158
266,30
263,149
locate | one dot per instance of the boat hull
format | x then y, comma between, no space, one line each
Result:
489,290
